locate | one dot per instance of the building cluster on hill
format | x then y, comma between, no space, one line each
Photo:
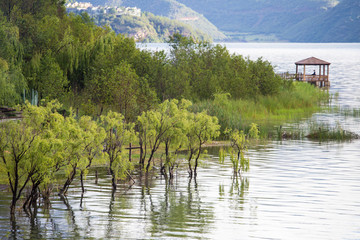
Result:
78,7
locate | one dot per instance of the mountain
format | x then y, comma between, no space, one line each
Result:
261,20
171,9
298,21
339,24
148,27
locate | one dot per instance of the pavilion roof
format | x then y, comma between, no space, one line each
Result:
312,61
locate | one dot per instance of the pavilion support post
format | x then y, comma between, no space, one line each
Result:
327,73
304,74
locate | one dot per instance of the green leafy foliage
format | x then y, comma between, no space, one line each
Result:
159,125
28,148
175,126
239,143
118,134
207,69
201,128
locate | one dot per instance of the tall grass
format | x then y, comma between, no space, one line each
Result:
291,104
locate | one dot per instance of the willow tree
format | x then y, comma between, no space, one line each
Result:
24,149
83,144
239,143
201,128
46,155
155,127
93,138
118,134
175,137
73,136
16,139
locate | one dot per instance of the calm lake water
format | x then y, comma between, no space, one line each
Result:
293,190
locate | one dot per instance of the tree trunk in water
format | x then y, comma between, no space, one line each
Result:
171,172
114,183
190,168
12,209
142,156
197,163
68,182
113,180
163,171
149,161
82,181
32,198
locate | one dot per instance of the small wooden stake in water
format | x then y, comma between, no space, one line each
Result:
96,176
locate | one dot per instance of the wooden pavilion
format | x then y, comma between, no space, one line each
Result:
321,79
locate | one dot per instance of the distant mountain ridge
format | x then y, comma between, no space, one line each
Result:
261,20
339,24
171,9
296,21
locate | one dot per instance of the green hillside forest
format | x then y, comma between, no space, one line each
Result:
132,22
171,13
148,27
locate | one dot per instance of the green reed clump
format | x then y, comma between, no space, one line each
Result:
327,133
347,112
287,133
293,103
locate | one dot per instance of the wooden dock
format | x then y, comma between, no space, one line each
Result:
317,80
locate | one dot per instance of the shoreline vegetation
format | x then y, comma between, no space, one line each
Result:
98,93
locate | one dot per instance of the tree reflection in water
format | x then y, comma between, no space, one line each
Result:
238,190
180,213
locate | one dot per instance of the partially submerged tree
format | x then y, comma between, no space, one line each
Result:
47,154
118,134
201,128
175,138
16,141
84,140
24,149
93,139
73,136
157,126
239,143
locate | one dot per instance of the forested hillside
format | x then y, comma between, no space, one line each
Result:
148,27
171,9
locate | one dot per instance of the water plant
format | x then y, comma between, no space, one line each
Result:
239,147
325,132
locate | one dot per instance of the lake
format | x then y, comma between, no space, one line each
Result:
293,190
